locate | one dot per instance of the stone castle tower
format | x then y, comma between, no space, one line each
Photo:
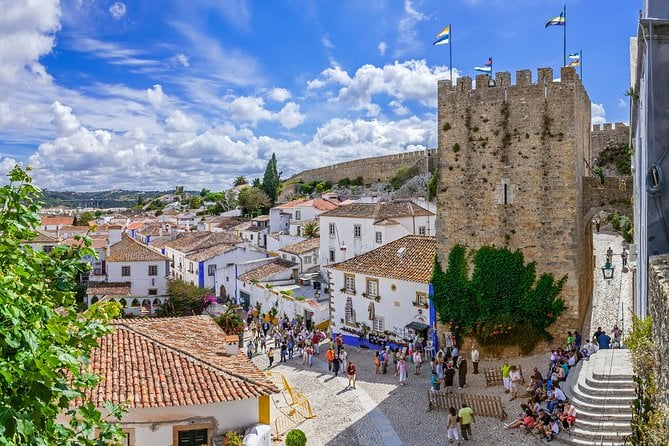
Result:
512,158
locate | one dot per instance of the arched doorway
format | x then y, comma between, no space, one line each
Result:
223,294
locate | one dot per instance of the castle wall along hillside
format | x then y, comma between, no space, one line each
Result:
511,162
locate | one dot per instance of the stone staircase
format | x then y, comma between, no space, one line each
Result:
602,390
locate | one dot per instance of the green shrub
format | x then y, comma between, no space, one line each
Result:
344,182
456,147
296,438
502,303
358,181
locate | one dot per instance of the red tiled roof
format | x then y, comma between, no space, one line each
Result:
410,258
268,269
379,211
318,203
129,250
108,288
51,220
196,241
97,241
303,246
172,362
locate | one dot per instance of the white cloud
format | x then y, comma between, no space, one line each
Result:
382,48
155,95
115,54
327,43
279,94
289,116
411,80
598,113
622,103
63,119
249,109
6,164
408,37
399,108
27,32
117,10
180,59
180,122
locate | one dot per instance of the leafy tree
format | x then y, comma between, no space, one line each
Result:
44,341
85,218
256,183
195,202
271,179
253,201
240,181
185,299
310,230
204,192
230,322
502,302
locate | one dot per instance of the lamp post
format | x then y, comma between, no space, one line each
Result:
607,271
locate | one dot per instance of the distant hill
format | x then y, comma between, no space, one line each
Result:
101,200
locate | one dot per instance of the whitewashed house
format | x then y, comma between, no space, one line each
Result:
196,386
256,232
290,217
135,276
195,257
385,291
357,228
304,253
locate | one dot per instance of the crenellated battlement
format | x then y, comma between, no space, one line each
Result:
503,80
608,126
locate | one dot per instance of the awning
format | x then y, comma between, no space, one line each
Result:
417,326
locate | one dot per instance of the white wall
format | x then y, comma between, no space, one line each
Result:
274,245
286,304
139,277
154,426
395,306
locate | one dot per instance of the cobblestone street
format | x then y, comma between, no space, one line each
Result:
379,412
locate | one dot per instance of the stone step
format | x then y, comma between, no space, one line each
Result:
599,381
596,436
602,425
617,417
597,408
585,388
564,438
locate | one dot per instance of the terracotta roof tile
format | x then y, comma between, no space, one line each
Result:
195,241
303,246
318,203
269,269
410,258
43,237
108,288
379,211
210,252
172,362
129,250
51,220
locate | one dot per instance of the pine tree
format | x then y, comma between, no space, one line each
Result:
270,181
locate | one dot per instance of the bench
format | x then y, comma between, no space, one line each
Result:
493,377
482,405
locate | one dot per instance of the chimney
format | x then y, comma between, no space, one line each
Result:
231,345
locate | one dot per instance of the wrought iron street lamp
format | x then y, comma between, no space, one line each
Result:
607,270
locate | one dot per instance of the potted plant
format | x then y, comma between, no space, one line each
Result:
233,439
377,298
296,438
364,330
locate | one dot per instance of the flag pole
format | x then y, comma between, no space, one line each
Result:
450,52
580,62
564,36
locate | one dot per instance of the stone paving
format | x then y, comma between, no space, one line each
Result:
380,412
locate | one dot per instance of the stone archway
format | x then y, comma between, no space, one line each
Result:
223,294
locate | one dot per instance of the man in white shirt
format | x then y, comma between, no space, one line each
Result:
475,360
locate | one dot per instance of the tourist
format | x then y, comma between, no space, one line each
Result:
402,370
350,372
475,360
434,381
597,334
265,328
316,339
516,381
448,376
377,362
290,344
577,341
617,336
543,423
396,353
284,351
519,419
343,357
263,343
598,223
609,255
568,414
417,360
452,426
505,369
554,429
330,356
462,372
557,398
603,341
623,256
339,340
335,364
310,355
455,353
528,422
570,340
466,419
270,356
249,349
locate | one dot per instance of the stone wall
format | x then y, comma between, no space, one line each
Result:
614,195
658,309
607,135
511,162
372,170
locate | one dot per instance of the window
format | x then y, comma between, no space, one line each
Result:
332,229
48,248
307,259
421,230
298,215
357,231
192,435
292,258
211,270
251,237
372,287
378,324
349,312
153,292
379,237
421,300
349,283
125,270
153,270
129,439
332,255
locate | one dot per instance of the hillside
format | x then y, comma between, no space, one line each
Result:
100,200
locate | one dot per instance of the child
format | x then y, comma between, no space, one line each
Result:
402,370
555,429
377,363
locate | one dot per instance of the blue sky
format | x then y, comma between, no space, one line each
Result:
98,94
